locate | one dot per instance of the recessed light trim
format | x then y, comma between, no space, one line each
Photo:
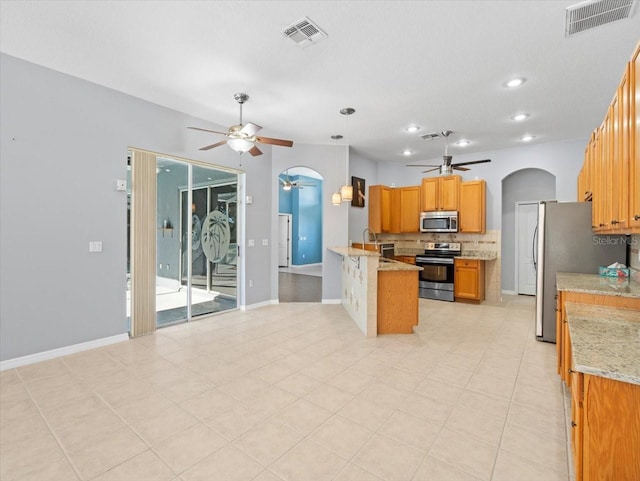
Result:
515,82
463,142
412,128
527,138
406,152
520,117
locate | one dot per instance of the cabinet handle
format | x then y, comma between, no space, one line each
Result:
573,424
636,217
614,222
601,225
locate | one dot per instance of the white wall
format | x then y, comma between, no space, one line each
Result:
63,145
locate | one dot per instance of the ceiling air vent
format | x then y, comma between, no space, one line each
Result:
593,13
431,135
304,32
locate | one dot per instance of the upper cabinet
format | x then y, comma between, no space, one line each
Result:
380,208
472,207
409,211
440,193
610,175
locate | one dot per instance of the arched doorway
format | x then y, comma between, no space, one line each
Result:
521,190
299,235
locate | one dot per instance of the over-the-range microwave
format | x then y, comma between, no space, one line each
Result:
440,221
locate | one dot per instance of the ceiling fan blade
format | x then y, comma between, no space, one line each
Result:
250,129
464,169
268,140
430,170
422,165
217,144
255,151
472,162
207,130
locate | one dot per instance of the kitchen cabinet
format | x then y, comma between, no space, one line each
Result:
440,193
397,301
468,279
380,208
472,207
610,176
408,210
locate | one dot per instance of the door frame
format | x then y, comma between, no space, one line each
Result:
146,220
288,240
516,284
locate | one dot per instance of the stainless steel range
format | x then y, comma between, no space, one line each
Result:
436,277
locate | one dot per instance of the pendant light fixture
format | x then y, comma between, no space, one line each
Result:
346,191
336,197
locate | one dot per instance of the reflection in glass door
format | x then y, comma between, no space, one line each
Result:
171,294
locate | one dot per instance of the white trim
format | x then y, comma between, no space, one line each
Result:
331,301
258,305
62,351
511,293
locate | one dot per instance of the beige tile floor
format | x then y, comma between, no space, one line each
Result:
295,392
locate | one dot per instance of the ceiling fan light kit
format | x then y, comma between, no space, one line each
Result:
242,137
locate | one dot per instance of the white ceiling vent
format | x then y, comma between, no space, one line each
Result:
593,13
304,32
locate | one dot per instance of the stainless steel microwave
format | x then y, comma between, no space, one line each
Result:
440,221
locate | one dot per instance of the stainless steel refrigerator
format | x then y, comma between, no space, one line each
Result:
564,242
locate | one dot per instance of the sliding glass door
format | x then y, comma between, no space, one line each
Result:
192,268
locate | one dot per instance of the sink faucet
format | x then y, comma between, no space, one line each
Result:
375,239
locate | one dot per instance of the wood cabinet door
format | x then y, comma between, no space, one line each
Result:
429,194
410,209
621,157
395,208
386,209
449,194
472,207
379,208
634,140
576,422
465,283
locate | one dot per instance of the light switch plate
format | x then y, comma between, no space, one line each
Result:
95,246
265,242
251,243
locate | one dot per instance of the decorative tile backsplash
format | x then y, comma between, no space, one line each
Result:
635,248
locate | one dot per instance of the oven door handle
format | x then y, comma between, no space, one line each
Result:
433,260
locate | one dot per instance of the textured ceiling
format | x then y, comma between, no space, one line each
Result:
438,64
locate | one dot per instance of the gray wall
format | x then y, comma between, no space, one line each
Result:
330,161
520,186
358,216
63,145
562,159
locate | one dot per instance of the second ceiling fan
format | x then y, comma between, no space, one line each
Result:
447,167
243,138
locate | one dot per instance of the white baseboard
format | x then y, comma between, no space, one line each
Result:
332,301
258,305
62,351
511,293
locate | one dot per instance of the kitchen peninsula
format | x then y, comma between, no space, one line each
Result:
380,295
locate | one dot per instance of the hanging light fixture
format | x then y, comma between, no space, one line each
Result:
346,191
336,197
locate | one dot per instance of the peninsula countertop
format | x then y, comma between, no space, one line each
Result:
384,264
605,341
595,284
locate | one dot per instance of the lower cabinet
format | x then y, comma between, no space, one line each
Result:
605,428
397,301
468,279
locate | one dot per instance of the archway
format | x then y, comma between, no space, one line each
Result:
300,235
522,186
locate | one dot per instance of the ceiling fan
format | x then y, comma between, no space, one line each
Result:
243,138
288,184
446,168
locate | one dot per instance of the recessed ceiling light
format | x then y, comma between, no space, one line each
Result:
520,117
527,138
462,143
413,128
406,152
167,170
515,82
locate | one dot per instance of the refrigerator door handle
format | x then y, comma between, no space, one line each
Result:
534,249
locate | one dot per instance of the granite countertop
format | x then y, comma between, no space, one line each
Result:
605,341
478,255
353,252
595,284
393,265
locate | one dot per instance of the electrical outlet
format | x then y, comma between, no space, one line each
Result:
160,266
265,242
475,243
250,283
95,246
